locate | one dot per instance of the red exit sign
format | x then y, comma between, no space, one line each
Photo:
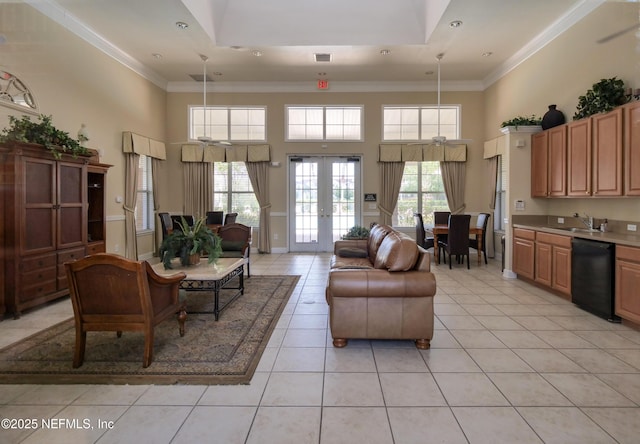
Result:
323,84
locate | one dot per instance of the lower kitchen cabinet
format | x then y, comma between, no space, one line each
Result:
627,304
524,252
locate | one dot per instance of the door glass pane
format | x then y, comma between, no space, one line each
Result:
306,211
343,195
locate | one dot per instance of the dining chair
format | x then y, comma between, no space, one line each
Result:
422,239
230,218
177,220
441,218
481,222
458,238
214,217
165,223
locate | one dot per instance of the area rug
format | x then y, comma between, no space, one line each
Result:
211,352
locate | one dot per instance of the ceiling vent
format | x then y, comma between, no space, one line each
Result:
322,57
200,77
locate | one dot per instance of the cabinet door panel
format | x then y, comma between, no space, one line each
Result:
557,159
627,283
561,275
543,261
607,154
579,158
72,189
539,164
632,149
37,232
523,257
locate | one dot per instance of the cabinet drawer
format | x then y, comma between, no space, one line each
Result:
70,255
37,290
554,239
39,276
524,234
37,262
96,247
628,253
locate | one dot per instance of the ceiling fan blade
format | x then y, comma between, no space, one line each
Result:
617,34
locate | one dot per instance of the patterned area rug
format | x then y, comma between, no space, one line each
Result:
210,352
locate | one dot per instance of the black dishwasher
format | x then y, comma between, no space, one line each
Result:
592,277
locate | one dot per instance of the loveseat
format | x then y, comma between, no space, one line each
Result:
381,288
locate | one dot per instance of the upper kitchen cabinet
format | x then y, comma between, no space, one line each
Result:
607,153
549,162
632,149
579,158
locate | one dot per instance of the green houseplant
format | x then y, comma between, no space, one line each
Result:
357,232
44,133
187,242
531,120
601,98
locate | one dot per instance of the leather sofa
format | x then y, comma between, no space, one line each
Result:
381,288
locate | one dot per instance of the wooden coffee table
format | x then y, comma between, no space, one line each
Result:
209,277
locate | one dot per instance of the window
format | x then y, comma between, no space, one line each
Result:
421,191
419,122
233,193
501,196
228,123
324,123
144,200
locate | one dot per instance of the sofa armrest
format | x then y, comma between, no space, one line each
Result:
380,283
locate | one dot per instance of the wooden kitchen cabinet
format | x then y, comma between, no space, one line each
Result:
632,149
44,221
524,252
579,158
553,261
549,162
539,164
607,153
627,304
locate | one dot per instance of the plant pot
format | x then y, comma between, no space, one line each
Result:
190,259
553,117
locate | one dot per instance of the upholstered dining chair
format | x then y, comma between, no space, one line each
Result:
236,242
214,217
458,238
422,239
481,222
230,218
441,218
113,293
165,223
178,219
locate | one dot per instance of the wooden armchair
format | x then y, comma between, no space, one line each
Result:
236,242
112,293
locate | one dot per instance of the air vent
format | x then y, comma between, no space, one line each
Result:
199,77
322,57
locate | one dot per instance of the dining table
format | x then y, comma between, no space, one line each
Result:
444,229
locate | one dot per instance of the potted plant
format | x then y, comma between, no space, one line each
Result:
601,98
531,120
357,232
189,242
43,133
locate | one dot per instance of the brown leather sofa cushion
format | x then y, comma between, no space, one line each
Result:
376,236
397,252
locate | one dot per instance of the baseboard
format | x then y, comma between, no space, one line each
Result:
509,274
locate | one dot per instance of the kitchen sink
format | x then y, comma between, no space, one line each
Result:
578,230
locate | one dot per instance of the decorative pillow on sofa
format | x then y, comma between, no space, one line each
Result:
398,252
352,252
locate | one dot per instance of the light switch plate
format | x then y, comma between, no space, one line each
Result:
631,227
561,220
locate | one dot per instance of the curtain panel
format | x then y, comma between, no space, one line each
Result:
130,197
259,177
390,181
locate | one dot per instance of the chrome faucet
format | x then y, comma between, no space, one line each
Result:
586,220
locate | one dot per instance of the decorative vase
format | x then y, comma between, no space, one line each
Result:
552,118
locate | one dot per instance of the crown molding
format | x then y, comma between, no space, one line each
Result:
335,86
573,16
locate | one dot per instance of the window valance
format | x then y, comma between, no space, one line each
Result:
422,152
494,147
135,143
237,153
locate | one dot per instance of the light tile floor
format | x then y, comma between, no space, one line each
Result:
509,363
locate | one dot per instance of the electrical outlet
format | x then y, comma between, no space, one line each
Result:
561,220
116,248
631,227
275,236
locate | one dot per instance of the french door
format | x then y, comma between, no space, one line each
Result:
324,200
